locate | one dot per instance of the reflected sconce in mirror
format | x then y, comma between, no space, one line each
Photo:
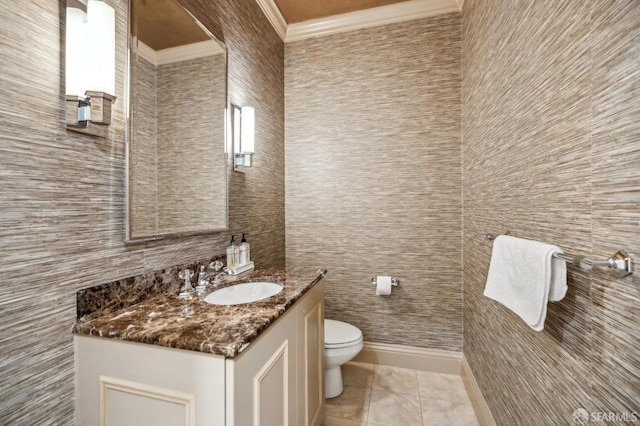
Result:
244,120
90,65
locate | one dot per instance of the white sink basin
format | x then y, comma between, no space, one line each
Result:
243,293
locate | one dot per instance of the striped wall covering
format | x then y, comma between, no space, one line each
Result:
373,183
62,193
143,176
178,149
191,154
551,151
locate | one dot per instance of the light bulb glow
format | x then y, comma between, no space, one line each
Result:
90,49
247,132
75,48
101,50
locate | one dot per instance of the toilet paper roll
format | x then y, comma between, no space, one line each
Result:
383,285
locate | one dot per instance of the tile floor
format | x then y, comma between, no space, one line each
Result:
390,396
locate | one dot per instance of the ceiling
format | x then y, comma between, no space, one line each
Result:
296,20
161,24
294,11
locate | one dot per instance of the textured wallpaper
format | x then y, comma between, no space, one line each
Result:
143,152
62,193
177,158
191,158
551,151
378,182
373,183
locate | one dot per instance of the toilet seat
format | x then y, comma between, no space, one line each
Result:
338,334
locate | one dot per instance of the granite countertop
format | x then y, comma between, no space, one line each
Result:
161,319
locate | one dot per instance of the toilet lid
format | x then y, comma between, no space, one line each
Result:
339,334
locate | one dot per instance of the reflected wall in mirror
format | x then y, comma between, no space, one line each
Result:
176,160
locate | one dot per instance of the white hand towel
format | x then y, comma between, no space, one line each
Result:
523,276
558,288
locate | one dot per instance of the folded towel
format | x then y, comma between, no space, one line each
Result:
558,287
523,276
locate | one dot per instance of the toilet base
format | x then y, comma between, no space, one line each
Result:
333,382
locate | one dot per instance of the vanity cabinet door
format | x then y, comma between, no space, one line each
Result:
129,384
311,357
261,381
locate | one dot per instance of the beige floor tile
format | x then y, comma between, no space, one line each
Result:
337,421
357,374
387,408
395,379
352,404
441,386
378,395
438,412
468,415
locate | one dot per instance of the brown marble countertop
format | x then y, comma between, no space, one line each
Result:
164,319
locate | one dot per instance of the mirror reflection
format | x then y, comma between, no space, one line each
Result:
176,160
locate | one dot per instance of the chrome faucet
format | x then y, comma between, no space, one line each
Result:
204,276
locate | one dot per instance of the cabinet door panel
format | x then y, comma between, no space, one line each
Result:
125,403
261,381
271,390
314,353
156,383
311,348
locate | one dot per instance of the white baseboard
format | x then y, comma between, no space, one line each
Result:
438,361
434,360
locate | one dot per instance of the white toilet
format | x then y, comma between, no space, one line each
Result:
342,342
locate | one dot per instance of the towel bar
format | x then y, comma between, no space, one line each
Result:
620,261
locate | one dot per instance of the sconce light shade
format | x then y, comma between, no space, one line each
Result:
90,49
244,120
76,84
101,55
90,64
247,133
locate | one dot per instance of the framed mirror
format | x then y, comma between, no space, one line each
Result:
176,160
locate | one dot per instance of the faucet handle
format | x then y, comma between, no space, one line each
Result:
216,266
186,275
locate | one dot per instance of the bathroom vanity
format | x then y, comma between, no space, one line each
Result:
167,361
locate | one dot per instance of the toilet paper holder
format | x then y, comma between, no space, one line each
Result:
394,281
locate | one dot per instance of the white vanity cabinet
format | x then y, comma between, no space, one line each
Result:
277,380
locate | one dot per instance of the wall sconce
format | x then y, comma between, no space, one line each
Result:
243,137
90,65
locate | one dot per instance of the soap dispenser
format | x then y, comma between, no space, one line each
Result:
233,254
245,253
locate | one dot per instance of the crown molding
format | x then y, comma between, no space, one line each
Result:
274,16
147,53
189,51
180,53
398,12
